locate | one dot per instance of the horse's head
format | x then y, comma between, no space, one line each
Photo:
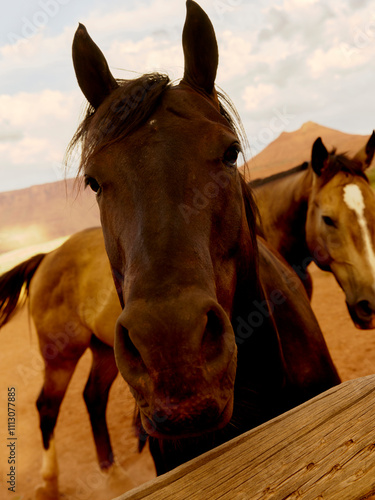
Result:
340,228
162,160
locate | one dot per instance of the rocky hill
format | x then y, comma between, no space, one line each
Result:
45,212
293,148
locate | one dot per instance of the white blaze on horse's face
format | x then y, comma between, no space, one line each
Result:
354,200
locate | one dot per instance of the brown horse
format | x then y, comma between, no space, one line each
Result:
179,230
215,334
324,211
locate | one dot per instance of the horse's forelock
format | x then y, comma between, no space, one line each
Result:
229,111
125,110
342,163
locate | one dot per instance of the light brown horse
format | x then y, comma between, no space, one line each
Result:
215,334
324,211
74,306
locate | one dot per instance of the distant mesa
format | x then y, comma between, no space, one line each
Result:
290,149
46,212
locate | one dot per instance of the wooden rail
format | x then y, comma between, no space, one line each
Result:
323,449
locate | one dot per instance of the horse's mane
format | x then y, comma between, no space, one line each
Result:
280,175
126,109
337,163
342,163
228,110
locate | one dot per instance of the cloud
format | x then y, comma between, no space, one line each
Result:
236,55
37,63
27,109
146,55
295,19
315,59
256,96
142,18
311,58
34,132
358,4
8,132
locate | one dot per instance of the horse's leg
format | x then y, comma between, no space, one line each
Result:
103,373
57,376
307,283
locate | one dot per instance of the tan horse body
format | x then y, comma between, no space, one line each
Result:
74,306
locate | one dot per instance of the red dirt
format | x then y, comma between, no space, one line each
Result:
353,352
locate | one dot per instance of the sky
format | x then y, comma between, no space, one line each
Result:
282,62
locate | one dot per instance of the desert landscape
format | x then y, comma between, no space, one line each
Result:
293,148
46,212
353,352
38,218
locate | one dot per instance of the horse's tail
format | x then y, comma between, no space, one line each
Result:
12,283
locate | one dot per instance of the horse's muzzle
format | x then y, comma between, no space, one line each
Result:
179,357
185,423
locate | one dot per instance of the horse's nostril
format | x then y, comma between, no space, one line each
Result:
362,314
213,337
127,344
128,357
214,326
364,309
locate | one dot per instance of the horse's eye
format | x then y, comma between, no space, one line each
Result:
328,221
231,155
92,183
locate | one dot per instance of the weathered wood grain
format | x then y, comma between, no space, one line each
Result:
323,449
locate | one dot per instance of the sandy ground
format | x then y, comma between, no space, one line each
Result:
80,476
20,366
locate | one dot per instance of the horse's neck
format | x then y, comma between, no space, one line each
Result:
282,355
259,366
283,209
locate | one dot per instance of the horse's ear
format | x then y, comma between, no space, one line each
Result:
366,154
91,68
200,49
319,157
